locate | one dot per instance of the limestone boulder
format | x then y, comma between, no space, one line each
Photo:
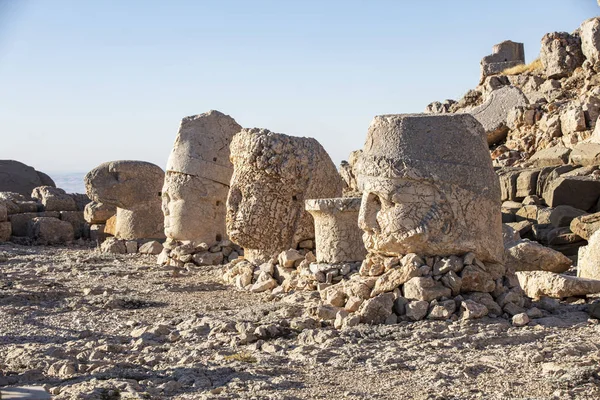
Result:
394,278
476,279
572,120
586,154
114,246
98,213
48,231
590,41
20,178
75,218
562,215
509,235
551,156
425,289
537,284
560,54
54,199
527,255
5,231
377,309
560,191
134,187
493,113
585,225
588,258
153,247
21,222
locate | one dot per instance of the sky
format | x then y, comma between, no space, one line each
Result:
85,82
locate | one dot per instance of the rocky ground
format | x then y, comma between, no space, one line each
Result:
88,325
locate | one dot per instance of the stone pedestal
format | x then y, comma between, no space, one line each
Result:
338,237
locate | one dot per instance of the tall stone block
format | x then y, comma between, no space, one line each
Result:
197,179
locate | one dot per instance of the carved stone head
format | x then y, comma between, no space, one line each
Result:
429,187
197,180
273,175
134,188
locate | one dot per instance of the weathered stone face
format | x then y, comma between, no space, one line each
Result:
194,208
197,180
134,188
429,188
273,175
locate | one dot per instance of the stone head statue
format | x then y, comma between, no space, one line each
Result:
429,187
273,175
134,188
197,179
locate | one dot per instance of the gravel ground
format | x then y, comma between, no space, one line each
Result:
87,325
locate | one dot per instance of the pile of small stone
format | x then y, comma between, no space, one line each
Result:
390,289
291,270
180,254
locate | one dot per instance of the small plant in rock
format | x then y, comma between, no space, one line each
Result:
533,66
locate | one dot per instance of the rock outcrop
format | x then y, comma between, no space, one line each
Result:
19,178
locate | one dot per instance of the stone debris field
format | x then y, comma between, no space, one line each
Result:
88,325
456,255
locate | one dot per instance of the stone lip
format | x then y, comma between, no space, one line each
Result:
334,204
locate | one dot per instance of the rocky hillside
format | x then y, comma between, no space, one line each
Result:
552,102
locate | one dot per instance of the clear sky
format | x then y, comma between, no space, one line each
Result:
83,82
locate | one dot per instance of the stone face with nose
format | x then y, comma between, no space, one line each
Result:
429,188
273,175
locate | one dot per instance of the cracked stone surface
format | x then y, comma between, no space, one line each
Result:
337,235
273,175
429,188
133,187
197,179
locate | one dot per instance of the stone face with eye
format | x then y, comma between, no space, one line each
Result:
429,188
273,175
403,216
197,180
194,208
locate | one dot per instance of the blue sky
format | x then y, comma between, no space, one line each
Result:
83,82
